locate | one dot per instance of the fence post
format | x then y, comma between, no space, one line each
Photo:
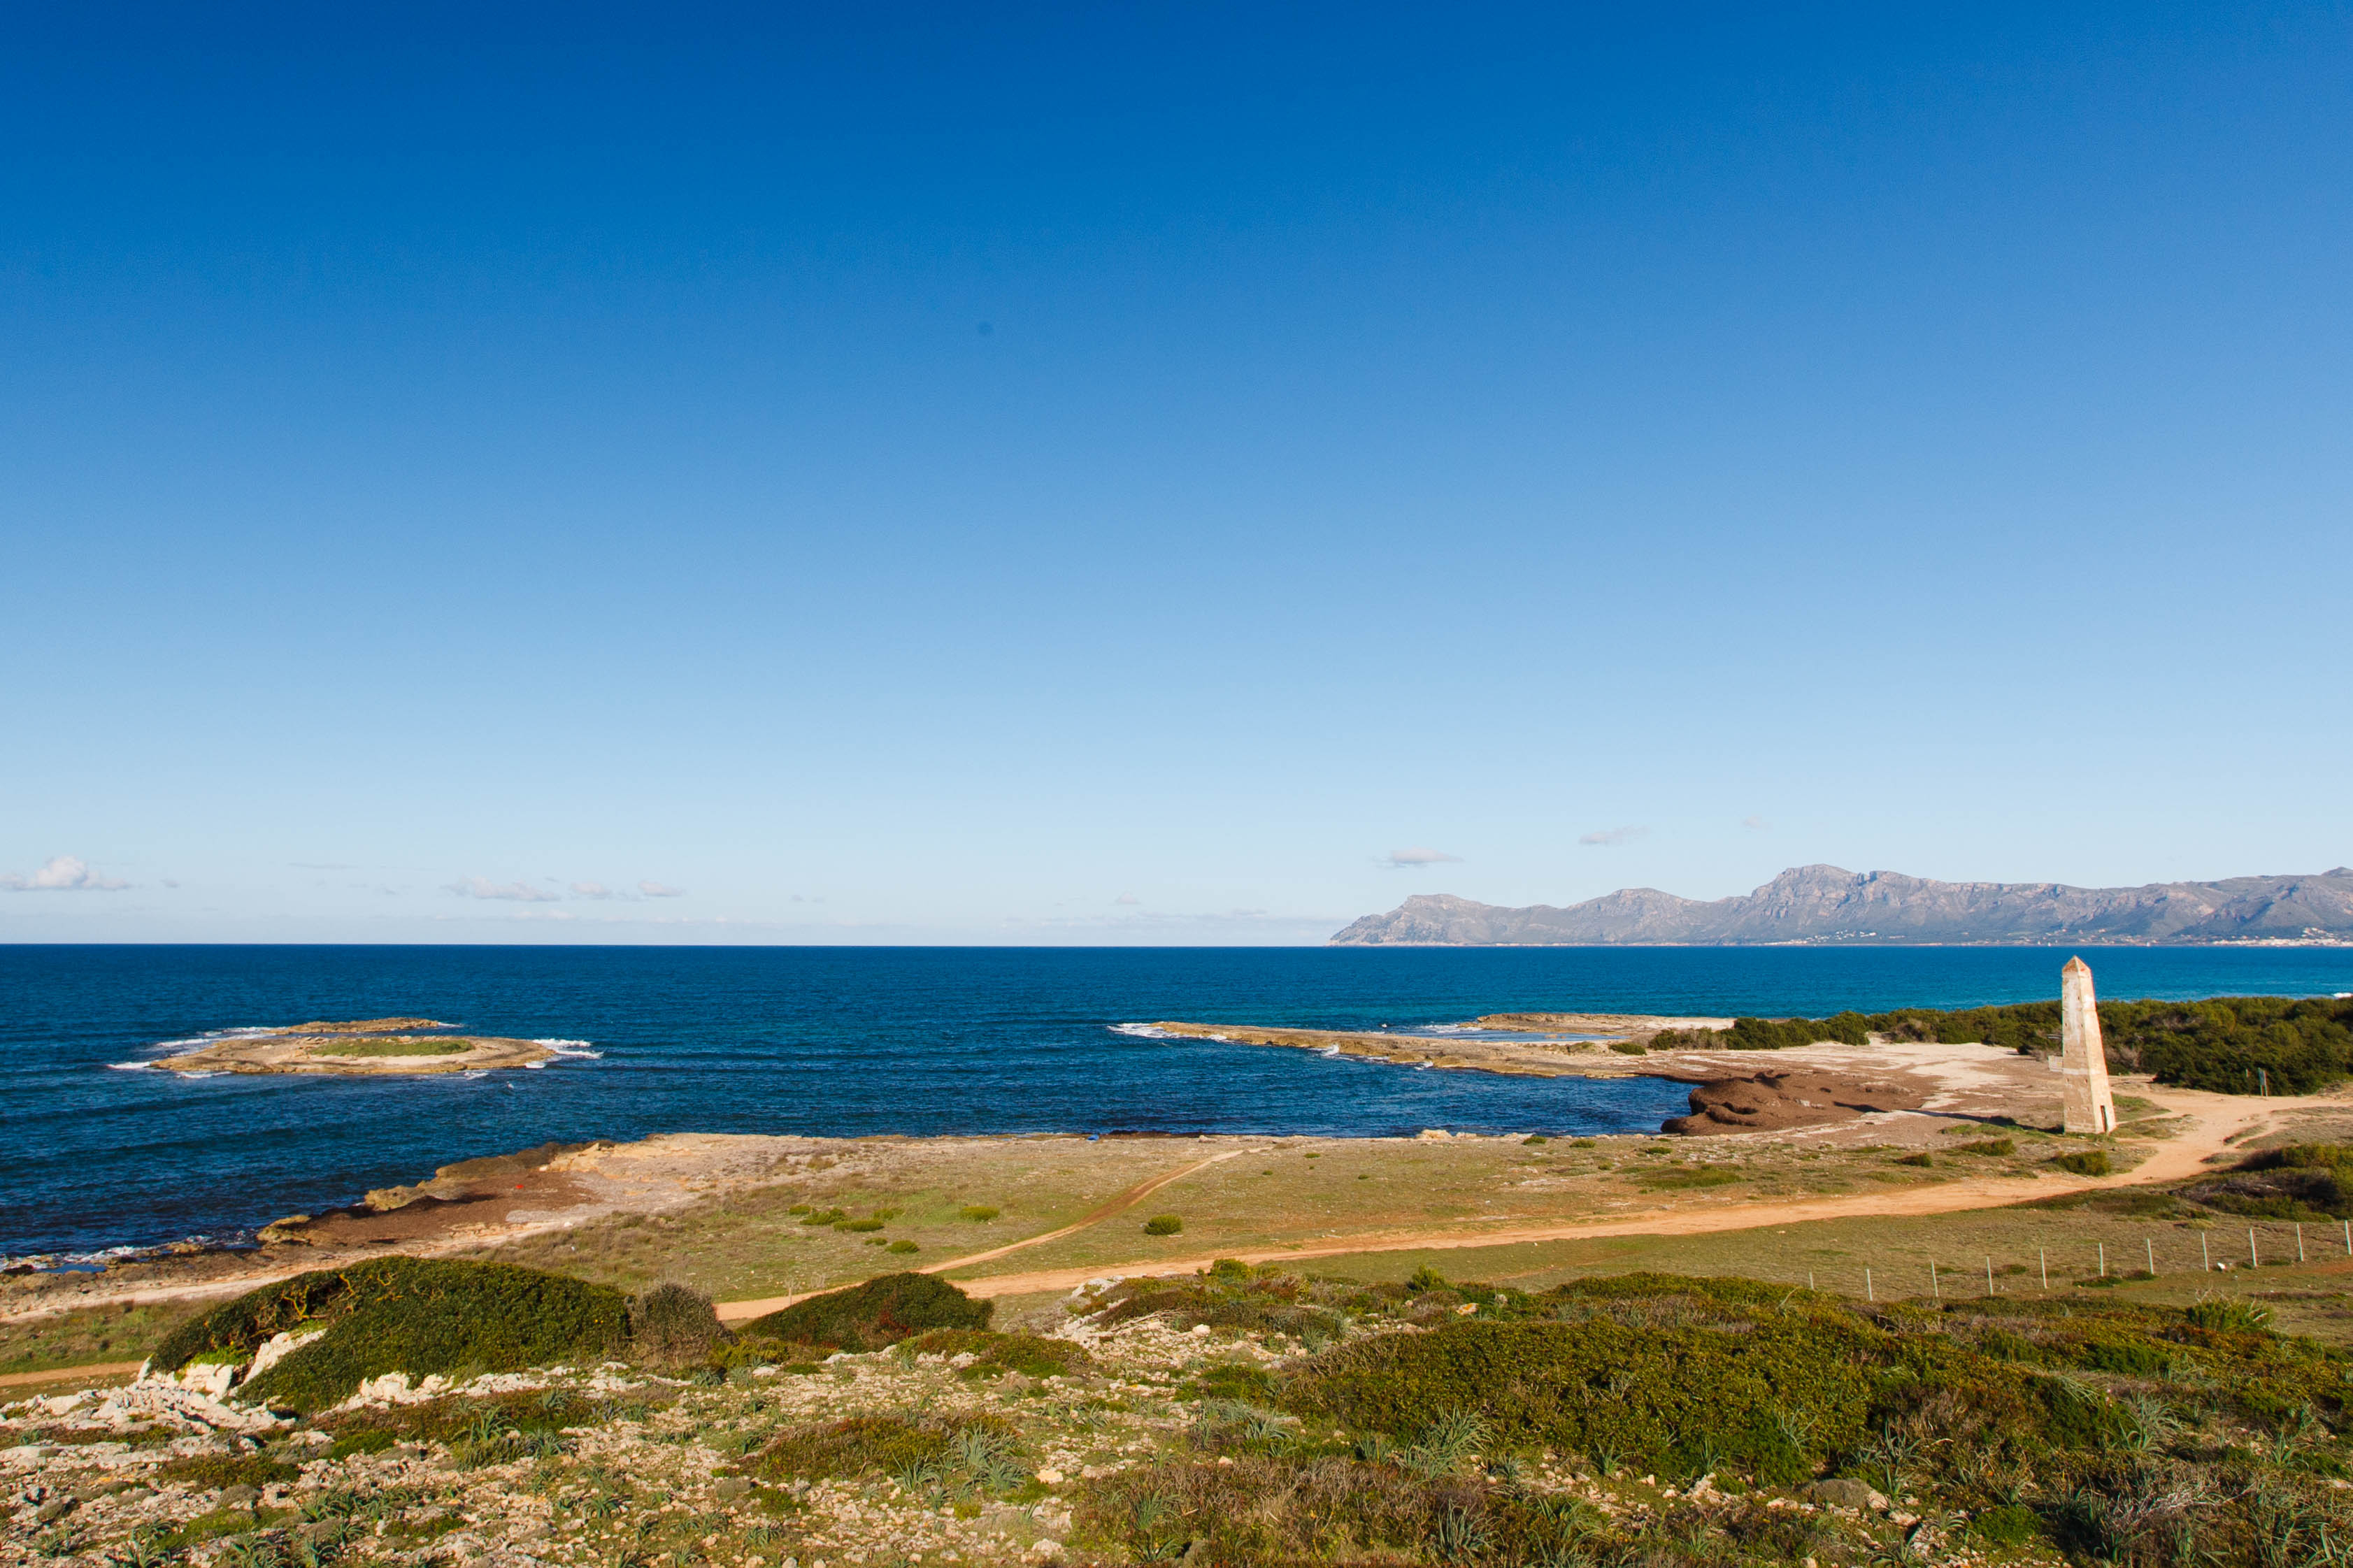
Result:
2299,1244
2044,1258
2255,1259
1933,1288
1867,1294
2206,1258
2104,1259
2145,1241
1989,1274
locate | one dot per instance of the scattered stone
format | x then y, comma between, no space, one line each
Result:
1845,1492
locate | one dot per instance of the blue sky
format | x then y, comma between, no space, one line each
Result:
1122,473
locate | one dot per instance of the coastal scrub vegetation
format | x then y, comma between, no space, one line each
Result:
414,1315
1511,1433
1257,1416
874,1315
2229,1044
676,1325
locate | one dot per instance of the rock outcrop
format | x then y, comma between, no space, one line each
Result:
1774,1101
1827,904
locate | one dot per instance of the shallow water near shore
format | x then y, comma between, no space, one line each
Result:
850,1041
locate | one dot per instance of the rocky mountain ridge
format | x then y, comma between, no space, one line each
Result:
1824,904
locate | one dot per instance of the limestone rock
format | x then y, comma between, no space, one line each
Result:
1845,1492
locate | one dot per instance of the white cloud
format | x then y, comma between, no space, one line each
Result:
591,890
64,874
1612,836
1128,898
1755,824
1409,859
515,893
661,890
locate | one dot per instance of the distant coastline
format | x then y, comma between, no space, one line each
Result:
1809,906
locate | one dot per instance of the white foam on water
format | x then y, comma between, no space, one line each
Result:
1329,1051
568,1049
131,1067
1143,1031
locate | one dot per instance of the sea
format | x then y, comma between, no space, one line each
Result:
103,1153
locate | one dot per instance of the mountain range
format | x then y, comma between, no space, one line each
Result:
1827,904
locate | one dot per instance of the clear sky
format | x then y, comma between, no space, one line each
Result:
1134,472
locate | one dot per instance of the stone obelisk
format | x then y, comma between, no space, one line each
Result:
2083,1064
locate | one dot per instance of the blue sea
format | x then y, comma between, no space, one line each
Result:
858,1040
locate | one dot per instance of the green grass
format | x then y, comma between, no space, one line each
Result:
83,1335
1164,1225
427,1047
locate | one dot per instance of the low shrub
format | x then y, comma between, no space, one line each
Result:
858,1226
902,1247
213,1472
977,1212
866,1445
2085,1162
1164,1225
1995,1147
1914,1160
415,1315
876,1314
994,1353
1630,1048
675,1325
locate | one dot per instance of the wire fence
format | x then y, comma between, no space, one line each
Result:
2220,1250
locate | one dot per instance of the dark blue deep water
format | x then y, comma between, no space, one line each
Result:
856,1040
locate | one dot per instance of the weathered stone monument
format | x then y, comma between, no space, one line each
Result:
2083,1064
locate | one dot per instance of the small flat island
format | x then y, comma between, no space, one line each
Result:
369,1046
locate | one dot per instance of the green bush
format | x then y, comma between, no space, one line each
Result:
407,1314
2085,1162
858,1226
876,1314
1162,1225
978,1212
1630,1048
1914,1160
902,1247
1990,1146
674,1325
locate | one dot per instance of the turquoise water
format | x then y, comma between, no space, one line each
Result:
859,1040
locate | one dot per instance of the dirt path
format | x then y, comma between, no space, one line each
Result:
737,1312
59,1373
